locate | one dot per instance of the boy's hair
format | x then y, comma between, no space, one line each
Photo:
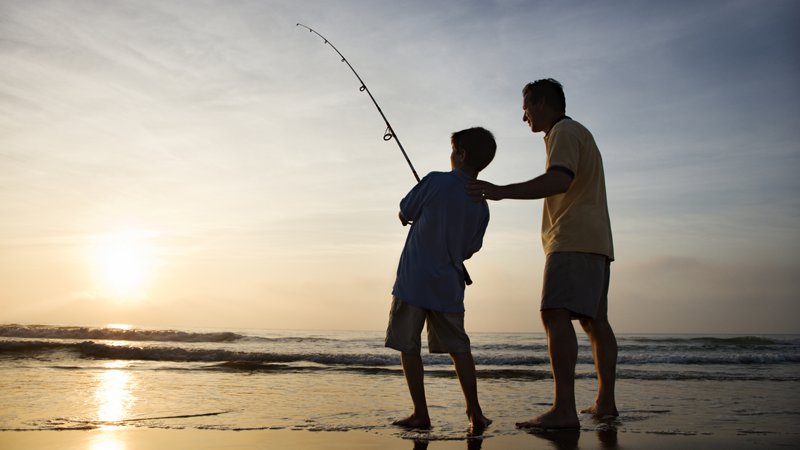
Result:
548,89
478,145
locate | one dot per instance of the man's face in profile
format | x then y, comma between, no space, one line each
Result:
531,112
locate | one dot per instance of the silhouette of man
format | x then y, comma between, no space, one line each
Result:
576,235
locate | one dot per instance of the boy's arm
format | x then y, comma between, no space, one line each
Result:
477,240
411,204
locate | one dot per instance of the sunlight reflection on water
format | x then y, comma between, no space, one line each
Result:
114,393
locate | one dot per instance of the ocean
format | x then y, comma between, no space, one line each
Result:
83,378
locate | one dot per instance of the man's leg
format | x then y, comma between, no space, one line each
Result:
562,345
604,349
415,373
465,369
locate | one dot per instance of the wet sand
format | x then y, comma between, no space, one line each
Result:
146,439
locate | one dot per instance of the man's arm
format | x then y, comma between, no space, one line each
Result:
553,182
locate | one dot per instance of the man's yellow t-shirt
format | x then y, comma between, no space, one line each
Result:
577,220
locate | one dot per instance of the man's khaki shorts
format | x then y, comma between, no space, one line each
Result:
577,282
445,330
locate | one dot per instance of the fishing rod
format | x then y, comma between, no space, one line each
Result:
389,134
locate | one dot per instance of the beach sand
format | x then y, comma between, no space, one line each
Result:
141,439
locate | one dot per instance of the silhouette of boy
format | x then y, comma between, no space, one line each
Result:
447,228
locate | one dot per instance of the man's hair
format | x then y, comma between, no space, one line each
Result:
548,89
478,145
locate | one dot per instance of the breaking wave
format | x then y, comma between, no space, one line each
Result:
137,335
96,350
113,334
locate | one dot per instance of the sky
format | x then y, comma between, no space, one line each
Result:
209,164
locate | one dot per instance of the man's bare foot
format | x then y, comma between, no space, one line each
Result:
603,412
479,422
553,419
412,421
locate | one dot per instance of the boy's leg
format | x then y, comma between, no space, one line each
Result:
465,369
403,334
446,334
415,378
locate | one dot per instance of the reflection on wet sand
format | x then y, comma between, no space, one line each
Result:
606,431
561,439
472,444
568,439
107,440
474,441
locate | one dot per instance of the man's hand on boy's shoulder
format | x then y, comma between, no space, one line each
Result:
482,190
403,219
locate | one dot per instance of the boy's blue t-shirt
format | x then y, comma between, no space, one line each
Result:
448,227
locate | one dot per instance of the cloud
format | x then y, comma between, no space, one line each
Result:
242,139
683,294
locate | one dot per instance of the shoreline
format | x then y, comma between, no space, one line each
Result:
342,390
149,438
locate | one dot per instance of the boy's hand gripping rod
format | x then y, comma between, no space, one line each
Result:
389,133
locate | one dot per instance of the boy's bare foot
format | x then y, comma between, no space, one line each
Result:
412,421
601,412
553,419
479,422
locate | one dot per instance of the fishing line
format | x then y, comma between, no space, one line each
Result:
389,134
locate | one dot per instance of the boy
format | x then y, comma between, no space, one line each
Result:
447,229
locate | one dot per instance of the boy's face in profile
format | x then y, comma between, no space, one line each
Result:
457,158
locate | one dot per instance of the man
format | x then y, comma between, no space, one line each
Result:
576,235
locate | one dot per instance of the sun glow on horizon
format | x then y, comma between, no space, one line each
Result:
123,263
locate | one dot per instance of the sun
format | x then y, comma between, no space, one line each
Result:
123,263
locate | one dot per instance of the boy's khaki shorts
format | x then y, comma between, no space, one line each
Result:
445,330
577,282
